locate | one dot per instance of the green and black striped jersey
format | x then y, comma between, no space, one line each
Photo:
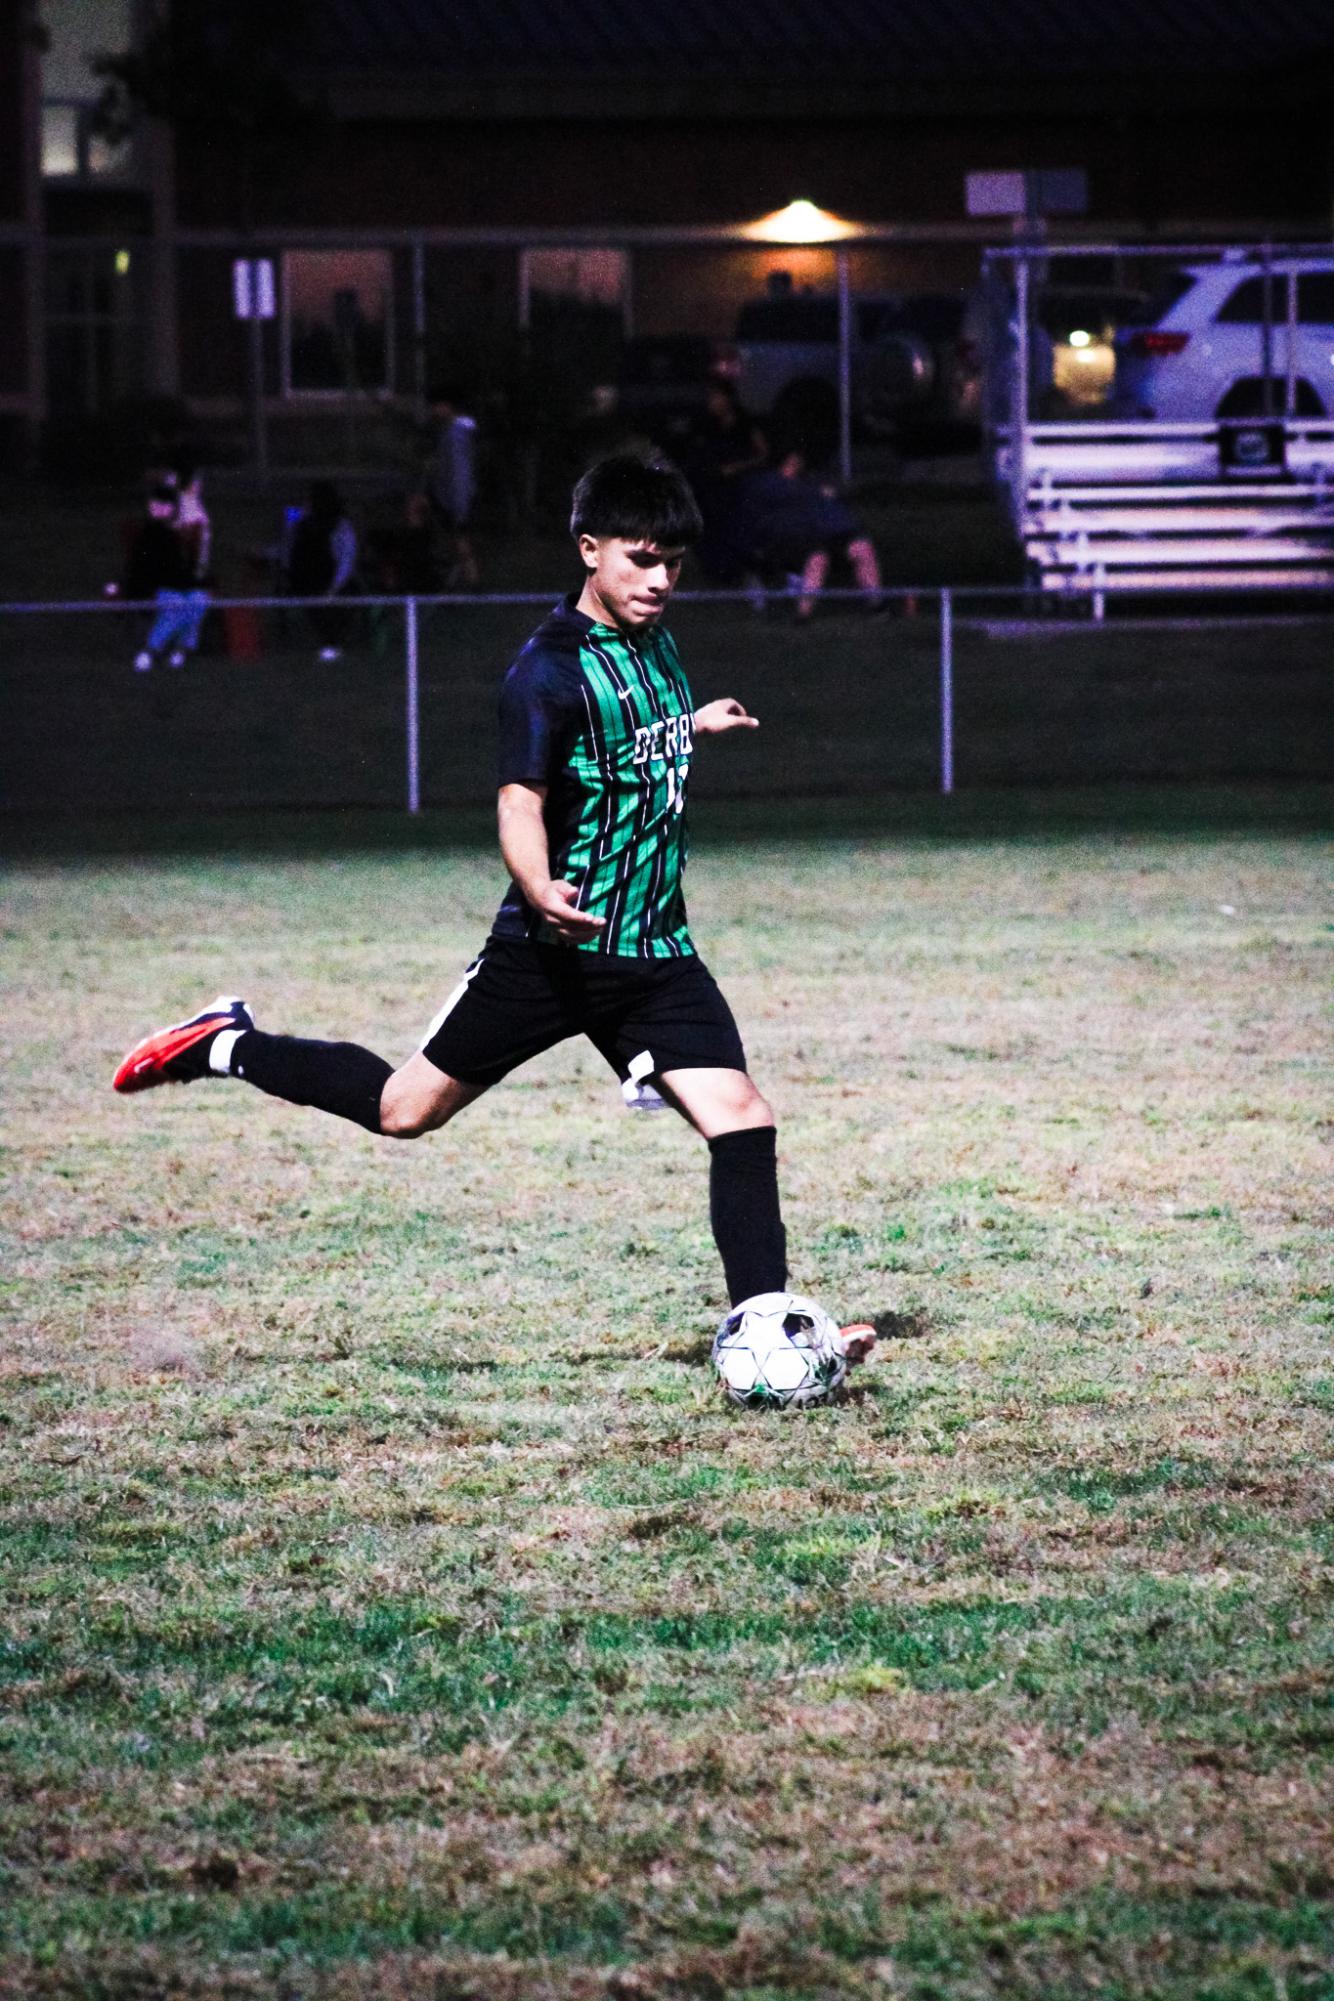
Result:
603,719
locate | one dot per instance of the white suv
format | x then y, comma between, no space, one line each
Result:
1206,350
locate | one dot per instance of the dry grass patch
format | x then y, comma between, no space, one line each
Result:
390,1604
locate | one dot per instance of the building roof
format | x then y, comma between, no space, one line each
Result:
916,42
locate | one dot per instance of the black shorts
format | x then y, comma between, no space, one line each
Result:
518,998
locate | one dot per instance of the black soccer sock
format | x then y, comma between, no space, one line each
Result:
743,1209
338,1077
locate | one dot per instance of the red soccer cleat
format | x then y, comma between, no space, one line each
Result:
857,1341
179,1054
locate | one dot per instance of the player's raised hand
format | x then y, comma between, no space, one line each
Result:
724,714
558,903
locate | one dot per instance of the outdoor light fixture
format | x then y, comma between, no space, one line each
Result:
802,224
1080,338
799,222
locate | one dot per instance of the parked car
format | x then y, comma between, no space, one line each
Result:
912,361
1214,342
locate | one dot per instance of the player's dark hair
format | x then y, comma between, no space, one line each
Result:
638,496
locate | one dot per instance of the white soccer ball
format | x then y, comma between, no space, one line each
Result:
778,1351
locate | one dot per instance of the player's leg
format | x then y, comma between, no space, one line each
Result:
716,1101
672,1022
351,1083
472,1034
744,1210
745,1213
337,1077
420,1098
682,1033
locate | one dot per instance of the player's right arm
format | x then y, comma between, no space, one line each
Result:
527,853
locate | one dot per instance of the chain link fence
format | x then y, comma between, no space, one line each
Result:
934,689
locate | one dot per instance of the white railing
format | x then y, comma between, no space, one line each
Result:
1178,506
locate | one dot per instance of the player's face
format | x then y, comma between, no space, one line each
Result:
630,582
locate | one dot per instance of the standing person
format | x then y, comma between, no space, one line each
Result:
725,447
452,484
598,729
160,572
322,563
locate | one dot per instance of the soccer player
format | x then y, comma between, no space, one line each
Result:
598,730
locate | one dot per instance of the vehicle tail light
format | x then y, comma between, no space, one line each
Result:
1152,341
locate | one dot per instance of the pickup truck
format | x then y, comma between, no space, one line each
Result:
914,360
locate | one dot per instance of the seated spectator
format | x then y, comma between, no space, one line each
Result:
160,571
799,524
322,563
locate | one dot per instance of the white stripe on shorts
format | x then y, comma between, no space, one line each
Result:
453,1001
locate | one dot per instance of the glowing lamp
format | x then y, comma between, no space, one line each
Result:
799,222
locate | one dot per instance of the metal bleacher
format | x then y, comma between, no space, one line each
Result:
1164,506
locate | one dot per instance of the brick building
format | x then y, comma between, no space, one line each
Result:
451,174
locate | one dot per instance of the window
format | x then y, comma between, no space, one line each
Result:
337,307
1246,306
73,149
1164,289
75,33
562,281
93,328
576,304
1315,298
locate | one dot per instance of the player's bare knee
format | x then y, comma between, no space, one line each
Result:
403,1115
400,1121
747,1108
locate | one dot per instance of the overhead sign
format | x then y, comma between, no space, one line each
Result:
1029,191
254,296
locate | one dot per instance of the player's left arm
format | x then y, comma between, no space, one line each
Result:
715,718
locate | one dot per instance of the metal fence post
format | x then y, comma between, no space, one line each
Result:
1020,398
844,366
946,691
414,709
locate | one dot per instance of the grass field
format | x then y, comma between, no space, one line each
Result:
391,1607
